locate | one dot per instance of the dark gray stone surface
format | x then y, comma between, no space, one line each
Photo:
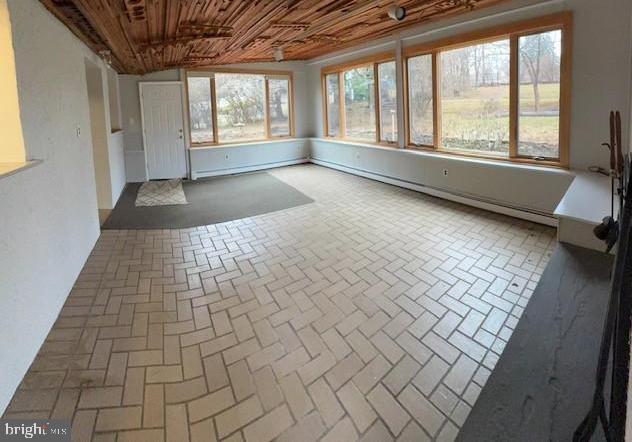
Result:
211,201
542,385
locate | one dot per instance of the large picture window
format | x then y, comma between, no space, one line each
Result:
502,93
360,100
231,107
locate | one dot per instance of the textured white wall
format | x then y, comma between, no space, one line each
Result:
49,212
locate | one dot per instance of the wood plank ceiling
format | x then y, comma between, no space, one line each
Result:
140,36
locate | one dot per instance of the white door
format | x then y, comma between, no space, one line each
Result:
161,109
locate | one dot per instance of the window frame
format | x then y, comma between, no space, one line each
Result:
513,31
371,61
267,74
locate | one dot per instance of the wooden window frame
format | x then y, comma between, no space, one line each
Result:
267,74
513,31
371,61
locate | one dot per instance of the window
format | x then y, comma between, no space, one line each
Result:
420,100
359,104
200,114
387,91
333,104
501,93
229,107
360,100
539,59
475,98
279,99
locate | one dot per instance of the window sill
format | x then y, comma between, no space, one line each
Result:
243,143
8,169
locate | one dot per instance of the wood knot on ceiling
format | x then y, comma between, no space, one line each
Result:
151,35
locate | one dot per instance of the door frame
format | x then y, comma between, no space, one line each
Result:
142,122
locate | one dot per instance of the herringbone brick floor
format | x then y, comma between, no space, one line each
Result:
375,313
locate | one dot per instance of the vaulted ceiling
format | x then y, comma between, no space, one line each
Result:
140,36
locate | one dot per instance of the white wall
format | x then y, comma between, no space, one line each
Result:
49,223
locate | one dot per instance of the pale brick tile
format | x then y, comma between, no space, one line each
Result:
468,346
460,374
184,391
357,406
238,416
265,356
398,324
377,433
326,401
153,412
447,324
430,376
421,410
83,425
215,371
471,323
387,347
414,347
291,362
171,350
134,386
100,397
269,426
448,433
351,322
218,344
144,357
116,369
413,433
265,333
177,428
210,404
444,399
344,431
123,418
389,410
441,347
401,374
343,371
101,354
296,396
241,351
336,344
267,388
494,321
153,435
361,346
316,367
309,429
66,404
374,323
288,338
312,341
203,431
191,362
371,374
164,373
241,379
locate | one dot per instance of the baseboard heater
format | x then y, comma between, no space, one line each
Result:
195,174
470,200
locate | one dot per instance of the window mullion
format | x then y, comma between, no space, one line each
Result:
266,108
514,85
214,110
436,100
376,103
341,105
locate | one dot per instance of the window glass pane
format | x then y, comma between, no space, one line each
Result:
200,109
279,93
475,98
388,101
240,106
359,104
333,105
420,100
539,108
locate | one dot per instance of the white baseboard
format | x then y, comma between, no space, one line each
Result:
195,174
479,203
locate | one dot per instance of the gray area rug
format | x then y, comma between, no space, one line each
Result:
160,193
211,201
